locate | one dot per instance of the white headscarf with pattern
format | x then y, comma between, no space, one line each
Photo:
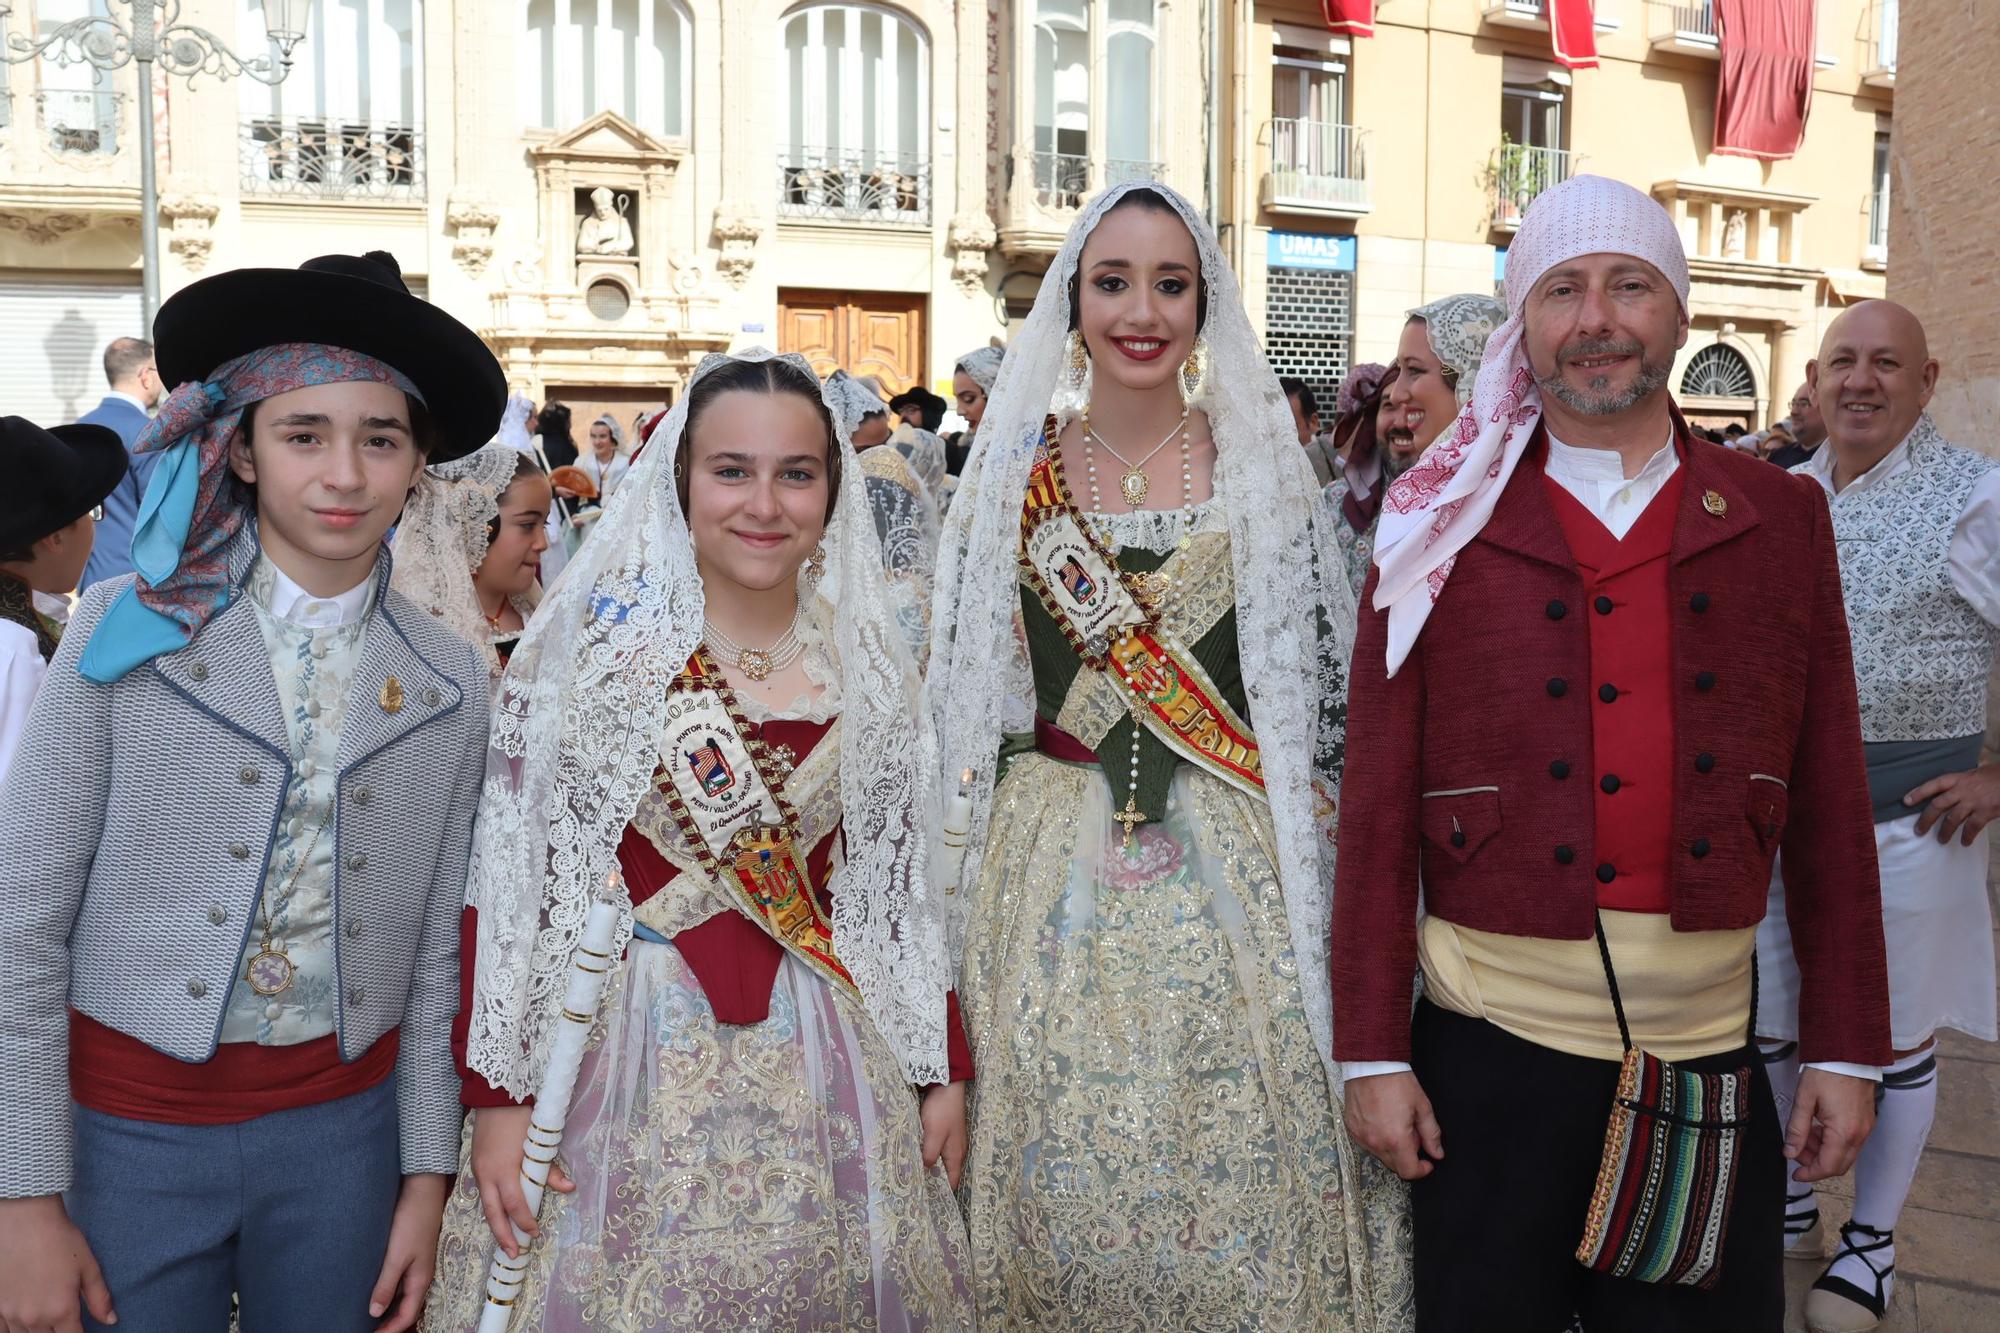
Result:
1441,503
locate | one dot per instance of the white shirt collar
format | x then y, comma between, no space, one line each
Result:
1606,467
1820,466
286,600
129,398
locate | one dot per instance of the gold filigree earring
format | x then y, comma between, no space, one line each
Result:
1193,378
816,564
1073,386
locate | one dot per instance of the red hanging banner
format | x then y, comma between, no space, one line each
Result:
1356,18
1573,33
1765,92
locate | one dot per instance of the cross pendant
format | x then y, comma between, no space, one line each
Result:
1129,817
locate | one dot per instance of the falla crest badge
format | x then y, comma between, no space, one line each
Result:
1714,503
391,697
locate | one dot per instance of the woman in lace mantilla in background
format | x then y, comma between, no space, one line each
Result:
469,546
731,742
1156,1133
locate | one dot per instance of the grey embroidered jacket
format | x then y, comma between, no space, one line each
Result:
139,816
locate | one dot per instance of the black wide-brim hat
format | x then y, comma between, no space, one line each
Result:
356,302
54,477
932,404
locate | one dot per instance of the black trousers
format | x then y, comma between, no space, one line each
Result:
1498,1221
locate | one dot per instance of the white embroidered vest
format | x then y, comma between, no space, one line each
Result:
1922,654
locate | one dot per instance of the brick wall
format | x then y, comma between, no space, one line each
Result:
1944,261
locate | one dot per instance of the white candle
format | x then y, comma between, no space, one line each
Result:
590,966
957,832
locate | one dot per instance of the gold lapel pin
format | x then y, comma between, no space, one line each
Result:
1715,504
391,697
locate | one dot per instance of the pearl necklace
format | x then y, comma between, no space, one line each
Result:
756,663
1134,483
1158,588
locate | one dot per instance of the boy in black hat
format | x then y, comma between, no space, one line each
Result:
47,523
237,839
919,407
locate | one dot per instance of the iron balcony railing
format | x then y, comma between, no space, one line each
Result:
1883,15
1317,163
855,185
1521,172
1690,19
80,120
1061,180
331,159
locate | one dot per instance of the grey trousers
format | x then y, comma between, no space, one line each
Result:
289,1211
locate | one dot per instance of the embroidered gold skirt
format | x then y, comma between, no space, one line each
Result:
1154,1142
767,1176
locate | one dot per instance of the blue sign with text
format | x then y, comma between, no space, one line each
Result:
1304,249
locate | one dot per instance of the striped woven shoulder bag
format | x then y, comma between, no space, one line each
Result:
1672,1151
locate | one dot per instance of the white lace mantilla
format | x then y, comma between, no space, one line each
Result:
576,730
1295,614
1158,531
1922,653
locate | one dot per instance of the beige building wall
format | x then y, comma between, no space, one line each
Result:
486,237
489,235
1424,95
1945,190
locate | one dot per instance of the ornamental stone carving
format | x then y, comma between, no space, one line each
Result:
969,237
190,218
737,229
43,228
472,219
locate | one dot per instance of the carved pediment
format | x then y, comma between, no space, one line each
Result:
608,137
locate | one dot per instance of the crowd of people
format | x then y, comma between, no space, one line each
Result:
1141,861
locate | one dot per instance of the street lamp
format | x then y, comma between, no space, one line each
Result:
155,33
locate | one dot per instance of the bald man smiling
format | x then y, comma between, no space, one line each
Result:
1917,522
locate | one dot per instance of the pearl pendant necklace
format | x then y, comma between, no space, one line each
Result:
755,663
1133,483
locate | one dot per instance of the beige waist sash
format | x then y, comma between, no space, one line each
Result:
1686,993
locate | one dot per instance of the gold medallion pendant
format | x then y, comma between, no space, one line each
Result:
1133,485
754,663
270,972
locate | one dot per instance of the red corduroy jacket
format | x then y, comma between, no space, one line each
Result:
1491,716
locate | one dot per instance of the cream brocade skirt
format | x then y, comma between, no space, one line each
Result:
759,1177
1154,1143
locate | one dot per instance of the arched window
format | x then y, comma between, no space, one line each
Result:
1087,137
348,119
1718,371
581,57
854,115
1128,92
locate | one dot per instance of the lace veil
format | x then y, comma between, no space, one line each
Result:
1295,612
442,538
576,742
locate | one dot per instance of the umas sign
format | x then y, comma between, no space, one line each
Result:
1304,249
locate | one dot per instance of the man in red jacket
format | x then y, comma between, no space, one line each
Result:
1583,717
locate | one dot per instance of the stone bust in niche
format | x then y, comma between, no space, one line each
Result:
605,231
1733,229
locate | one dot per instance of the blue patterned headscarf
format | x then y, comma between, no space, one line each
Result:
190,512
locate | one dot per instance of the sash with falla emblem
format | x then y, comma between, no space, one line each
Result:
1112,620
719,780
